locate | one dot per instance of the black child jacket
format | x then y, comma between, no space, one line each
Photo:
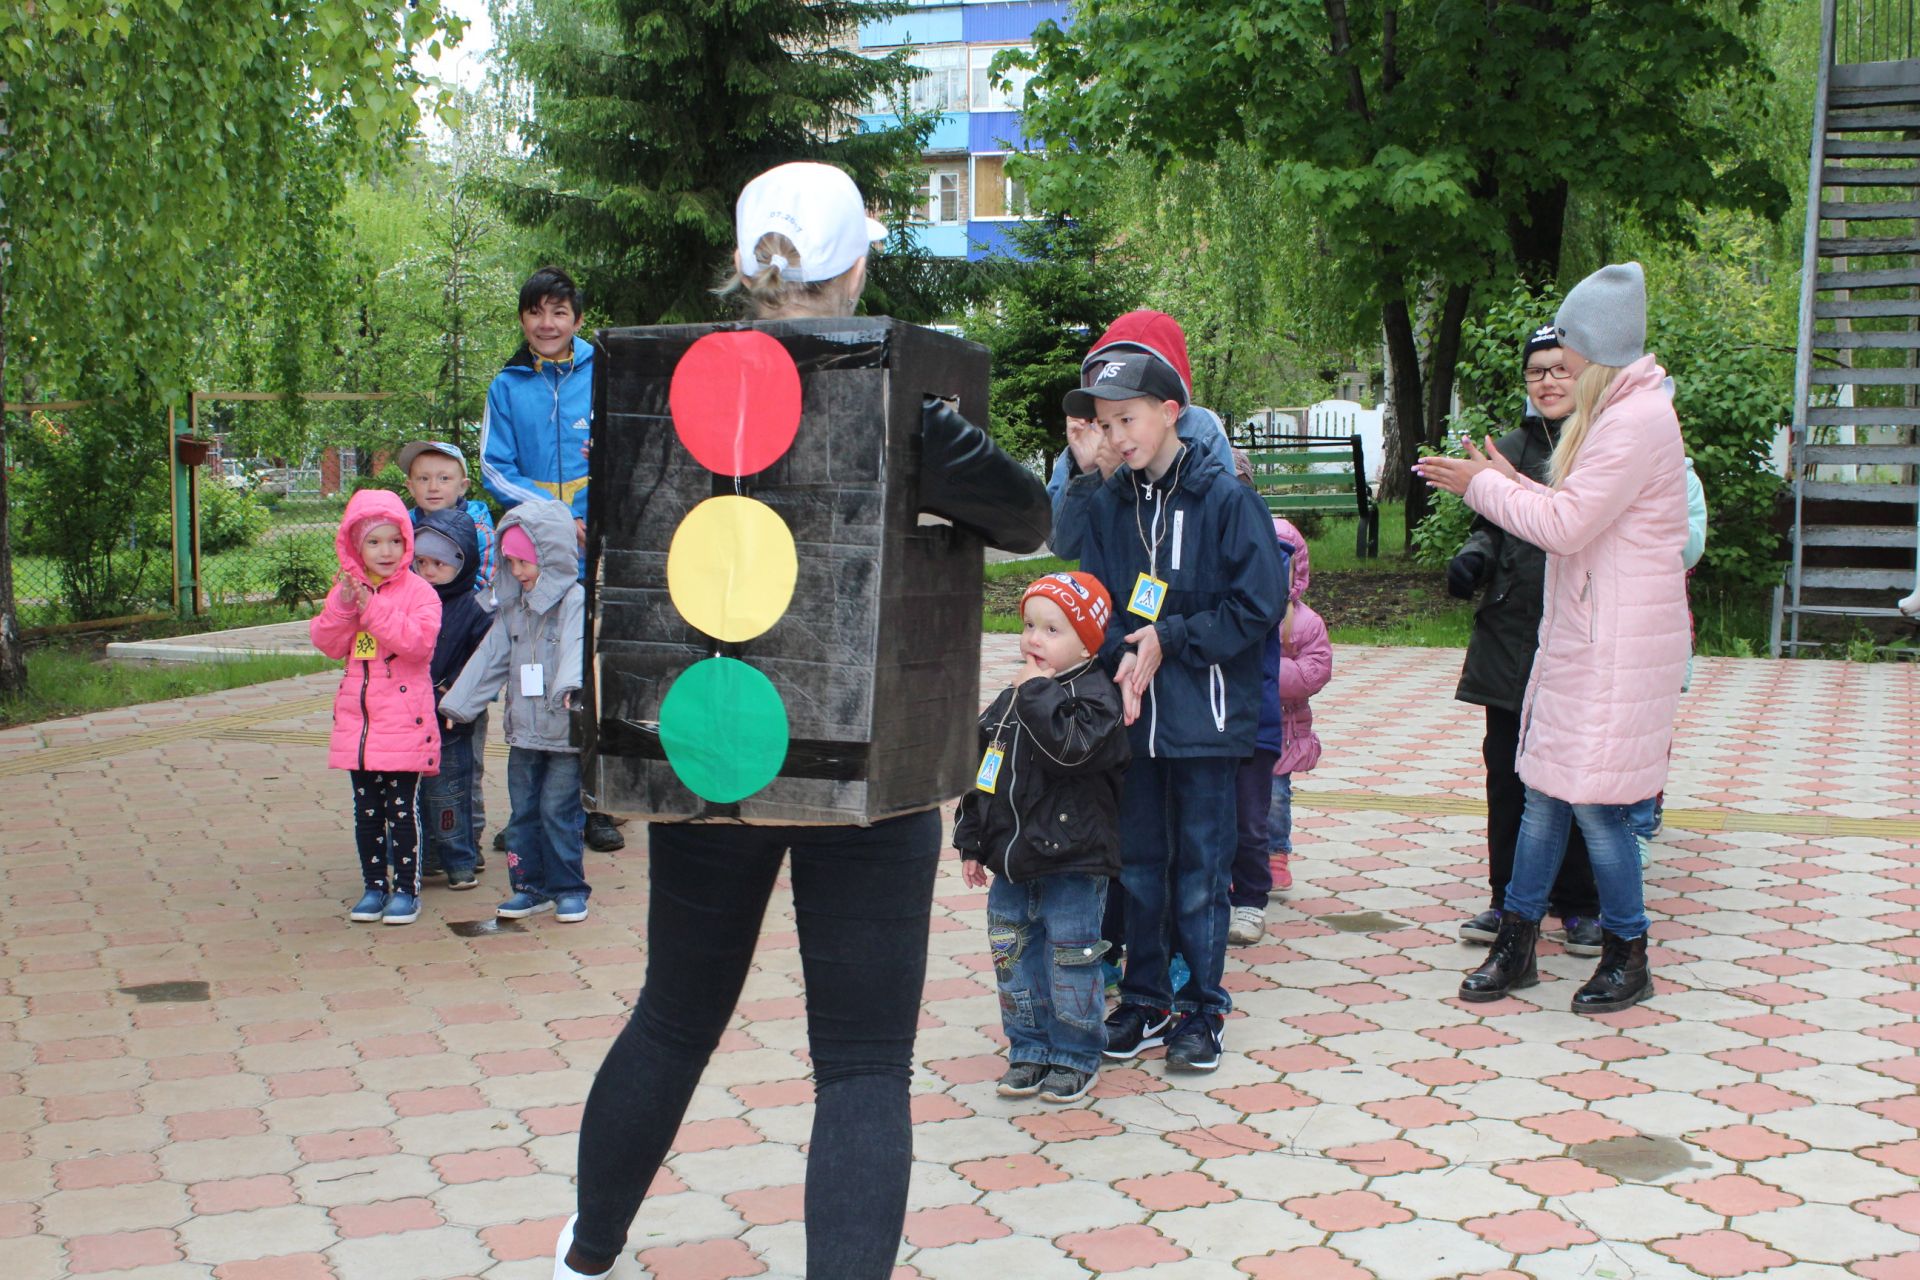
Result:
1056,807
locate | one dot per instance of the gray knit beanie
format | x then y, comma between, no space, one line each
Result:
1605,316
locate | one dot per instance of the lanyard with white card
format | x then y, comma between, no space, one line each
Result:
533,680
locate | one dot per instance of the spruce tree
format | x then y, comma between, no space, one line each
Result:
650,115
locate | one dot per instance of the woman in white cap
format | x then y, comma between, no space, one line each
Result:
1597,721
862,895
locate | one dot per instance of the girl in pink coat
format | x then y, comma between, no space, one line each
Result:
1597,721
382,619
1306,664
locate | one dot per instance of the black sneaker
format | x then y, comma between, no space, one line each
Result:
433,870
1133,1029
461,880
1195,1043
1484,927
602,835
1022,1079
480,858
500,840
1065,1084
1584,935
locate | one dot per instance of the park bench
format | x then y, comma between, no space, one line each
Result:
1298,474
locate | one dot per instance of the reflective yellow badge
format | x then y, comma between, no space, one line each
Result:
364,646
1148,598
988,779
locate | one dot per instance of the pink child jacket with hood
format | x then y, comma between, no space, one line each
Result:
383,712
1597,722
1306,664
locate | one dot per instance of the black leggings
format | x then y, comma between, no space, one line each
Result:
386,826
1574,893
861,898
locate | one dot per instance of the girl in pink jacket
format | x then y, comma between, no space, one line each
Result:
1306,664
1597,720
382,618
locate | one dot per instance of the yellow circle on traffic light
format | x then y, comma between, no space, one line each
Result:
731,568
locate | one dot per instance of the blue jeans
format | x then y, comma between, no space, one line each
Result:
1045,938
1177,838
476,791
547,833
446,799
1612,832
1280,815
1252,877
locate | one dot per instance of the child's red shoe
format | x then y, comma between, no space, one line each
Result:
1282,874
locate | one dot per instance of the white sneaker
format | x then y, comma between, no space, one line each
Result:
561,1271
1249,924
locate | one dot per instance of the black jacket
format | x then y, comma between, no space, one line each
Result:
968,479
1056,808
464,616
1506,624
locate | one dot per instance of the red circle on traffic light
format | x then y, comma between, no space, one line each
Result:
735,399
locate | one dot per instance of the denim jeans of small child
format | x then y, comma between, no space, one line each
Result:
1177,841
547,833
1252,882
1046,945
1280,815
1613,847
446,799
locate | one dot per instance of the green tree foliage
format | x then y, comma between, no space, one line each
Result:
1437,141
651,115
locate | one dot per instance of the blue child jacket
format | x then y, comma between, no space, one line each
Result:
538,418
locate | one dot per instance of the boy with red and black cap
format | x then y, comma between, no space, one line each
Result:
1043,816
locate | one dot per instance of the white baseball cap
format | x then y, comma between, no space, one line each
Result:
814,205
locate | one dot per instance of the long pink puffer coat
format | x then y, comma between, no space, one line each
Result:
383,712
1306,663
1597,723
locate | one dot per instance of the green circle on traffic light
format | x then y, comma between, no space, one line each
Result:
724,729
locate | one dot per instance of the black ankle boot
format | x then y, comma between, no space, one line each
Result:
1509,964
1620,980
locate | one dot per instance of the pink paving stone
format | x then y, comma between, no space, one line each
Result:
930,1108
1348,1211
1067,1126
1220,1140
1468,1035
1300,1057
122,1251
1316,1262
1898,1267
768,1206
1904,1156
1008,1173
1902,1211
1904,1111
404,1046
1596,1086
1127,1082
62,1107
1732,1195
386,1218
349,1001
1380,1159
193,1066
1769,1026
83,1049
712,1135
545,1122
1438,1071
1330,1024
1906,1070
534,1238
104,1171
1756,1099
778,1010
952,989
519,1062
1775,994
1576,1127
437,1102
1256,1099
977,1069
708,1260
1121,1248
1744,1142
1529,1231
1381,966
1353,993
17,1220
285,1032
1721,1253
231,1195
193,1126
1555,1176
461,1014
600,1027
1782,966
1415,1113
1613,1048
780,1093
1762,1059
953,1224
545,984
484,1166
312,1084
345,1144
1166,1191
1907,1033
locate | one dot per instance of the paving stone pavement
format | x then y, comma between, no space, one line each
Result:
370,1103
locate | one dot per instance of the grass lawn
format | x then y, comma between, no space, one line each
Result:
63,681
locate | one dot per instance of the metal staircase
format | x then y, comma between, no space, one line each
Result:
1857,376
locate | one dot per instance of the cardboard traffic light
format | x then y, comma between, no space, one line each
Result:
777,636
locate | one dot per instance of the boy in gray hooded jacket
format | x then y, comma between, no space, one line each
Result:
535,649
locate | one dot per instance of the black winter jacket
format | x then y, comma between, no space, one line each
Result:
464,616
1056,808
967,478
1506,624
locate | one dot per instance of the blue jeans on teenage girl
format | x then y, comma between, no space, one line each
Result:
1177,842
547,833
446,798
1613,847
1253,803
1045,939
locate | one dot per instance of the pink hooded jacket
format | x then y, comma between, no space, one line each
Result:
1306,664
1597,721
383,712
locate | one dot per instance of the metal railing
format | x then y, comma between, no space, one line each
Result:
1872,30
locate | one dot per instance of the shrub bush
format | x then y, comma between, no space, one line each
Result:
390,477
229,519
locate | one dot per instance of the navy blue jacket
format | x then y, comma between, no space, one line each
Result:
1226,578
1272,736
464,616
